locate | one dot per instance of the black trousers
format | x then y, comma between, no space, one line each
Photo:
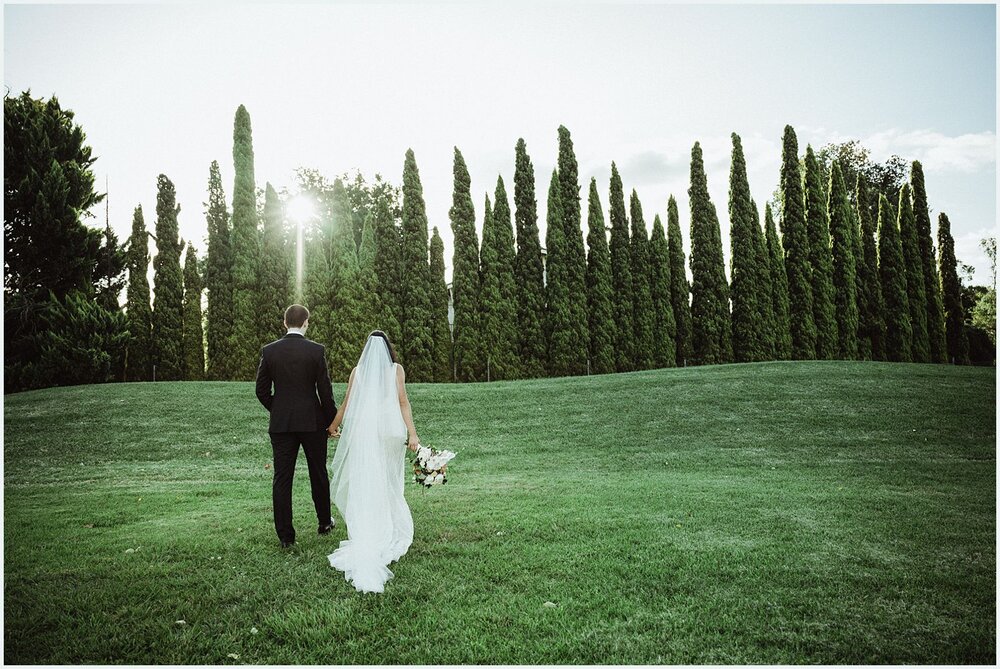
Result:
285,447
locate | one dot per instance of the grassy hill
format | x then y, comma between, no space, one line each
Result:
820,512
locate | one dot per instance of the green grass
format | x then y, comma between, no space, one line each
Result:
824,512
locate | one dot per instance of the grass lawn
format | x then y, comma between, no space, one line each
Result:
811,512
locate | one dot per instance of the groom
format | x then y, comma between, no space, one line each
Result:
301,407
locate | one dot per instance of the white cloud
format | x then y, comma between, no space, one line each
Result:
938,152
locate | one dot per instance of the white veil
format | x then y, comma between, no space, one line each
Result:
367,481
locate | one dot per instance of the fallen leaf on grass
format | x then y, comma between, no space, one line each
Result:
181,622
89,526
549,605
253,630
235,656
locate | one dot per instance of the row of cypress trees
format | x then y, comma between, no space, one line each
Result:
841,281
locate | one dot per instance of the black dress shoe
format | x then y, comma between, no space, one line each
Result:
287,544
325,529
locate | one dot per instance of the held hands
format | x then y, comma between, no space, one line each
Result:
413,442
333,432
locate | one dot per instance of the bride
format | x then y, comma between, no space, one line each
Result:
367,482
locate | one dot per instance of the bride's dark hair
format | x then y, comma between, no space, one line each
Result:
388,344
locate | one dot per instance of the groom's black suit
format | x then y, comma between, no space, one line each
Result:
301,407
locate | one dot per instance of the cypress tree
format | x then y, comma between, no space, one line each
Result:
467,335
528,268
441,330
388,262
766,289
139,361
193,339
782,338
218,281
643,318
871,317
621,277
750,293
488,295
664,325
168,287
559,327
370,304
932,282
892,275
821,259
275,275
844,269
711,329
915,296
599,293
576,258
347,329
680,290
498,306
795,241
416,316
951,295
246,341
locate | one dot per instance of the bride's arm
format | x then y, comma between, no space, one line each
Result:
339,418
404,407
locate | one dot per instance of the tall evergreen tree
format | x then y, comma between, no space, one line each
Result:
920,348
559,325
766,291
347,329
892,274
680,289
388,262
139,361
246,340
821,259
844,268
275,274
218,281
370,304
440,329
750,294
643,317
871,316
664,325
576,258
932,281
193,336
951,295
168,287
621,276
528,268
416,317
709,290
782,338
498,307
488,295
599,292
795,241
467,334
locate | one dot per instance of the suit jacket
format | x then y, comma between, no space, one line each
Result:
302,399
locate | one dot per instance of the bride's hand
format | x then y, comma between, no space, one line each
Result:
333,432
413,442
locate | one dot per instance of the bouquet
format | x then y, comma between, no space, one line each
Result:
430,466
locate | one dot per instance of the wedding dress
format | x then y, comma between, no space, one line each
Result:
368,474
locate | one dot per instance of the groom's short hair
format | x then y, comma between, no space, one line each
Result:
296,316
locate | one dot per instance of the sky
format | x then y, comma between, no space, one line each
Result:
352,87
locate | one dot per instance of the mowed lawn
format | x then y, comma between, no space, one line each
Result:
809,512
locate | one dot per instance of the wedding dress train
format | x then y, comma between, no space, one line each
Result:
368,474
